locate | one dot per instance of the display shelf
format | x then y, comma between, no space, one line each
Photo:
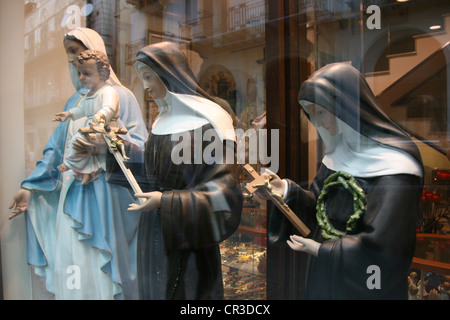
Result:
432,253
245,257
239,286
429,276
243,269
244,254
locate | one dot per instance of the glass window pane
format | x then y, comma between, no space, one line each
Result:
269,65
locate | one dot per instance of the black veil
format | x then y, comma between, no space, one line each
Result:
343,91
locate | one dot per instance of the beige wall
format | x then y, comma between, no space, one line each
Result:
16,273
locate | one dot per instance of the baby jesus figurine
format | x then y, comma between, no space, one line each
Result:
101,107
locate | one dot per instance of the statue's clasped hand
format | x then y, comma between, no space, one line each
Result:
274,184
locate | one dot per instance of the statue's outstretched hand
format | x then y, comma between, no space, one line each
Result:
20,202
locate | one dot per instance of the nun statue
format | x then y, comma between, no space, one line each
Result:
194,200
363,204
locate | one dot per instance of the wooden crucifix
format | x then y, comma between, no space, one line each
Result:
116,147
262,183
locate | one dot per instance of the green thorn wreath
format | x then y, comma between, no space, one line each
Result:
359,203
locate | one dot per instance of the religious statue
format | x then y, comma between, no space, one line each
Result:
363,206
81,239
190,206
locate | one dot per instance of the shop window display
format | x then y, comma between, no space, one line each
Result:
252,56
429,274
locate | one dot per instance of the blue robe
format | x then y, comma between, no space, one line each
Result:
98,216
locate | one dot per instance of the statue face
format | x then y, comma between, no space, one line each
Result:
323,118
152,83
89,76
73,49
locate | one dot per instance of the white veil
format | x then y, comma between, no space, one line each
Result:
351,152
